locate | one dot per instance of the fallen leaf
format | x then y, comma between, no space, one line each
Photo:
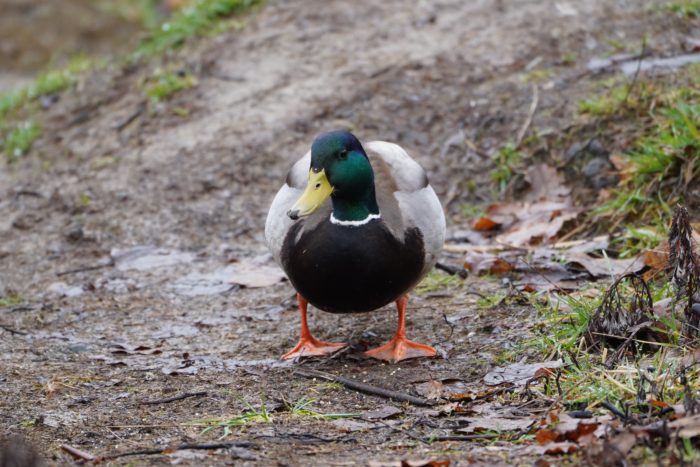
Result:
499,424
143,258
686,427
250,274
602,267
430,389
518,373
385,411
537,222
486,263
485,224
350,426
425,463
545,183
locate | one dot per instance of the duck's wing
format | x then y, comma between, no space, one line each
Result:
278,222
405,198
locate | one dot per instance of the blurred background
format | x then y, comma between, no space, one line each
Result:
142,141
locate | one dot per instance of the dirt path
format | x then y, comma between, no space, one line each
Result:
81,352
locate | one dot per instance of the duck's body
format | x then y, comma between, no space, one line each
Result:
366,244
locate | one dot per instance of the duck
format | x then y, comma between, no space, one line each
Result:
355,227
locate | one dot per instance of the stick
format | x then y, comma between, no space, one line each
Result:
119,126
174,398
399,430
206,446
85,268
366,388
77,453
12,330
530,116
452,270
464,438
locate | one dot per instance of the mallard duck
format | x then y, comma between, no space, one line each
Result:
354,228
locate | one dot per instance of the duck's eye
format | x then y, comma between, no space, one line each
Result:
343,154
318,185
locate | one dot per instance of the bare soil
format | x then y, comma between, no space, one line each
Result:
113,172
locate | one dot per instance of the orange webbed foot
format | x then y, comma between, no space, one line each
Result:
311,347
308,345
400,348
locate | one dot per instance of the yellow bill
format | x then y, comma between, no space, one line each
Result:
318,189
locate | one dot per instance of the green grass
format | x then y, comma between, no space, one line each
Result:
436,280
301,408
144,12
47,83
507,161
661,118
586,382
11,299
251,415
198,18
684,8
20,139
163,84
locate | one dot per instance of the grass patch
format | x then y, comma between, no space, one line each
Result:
436,280
19,140
684,8
200,17
303,408
586,382
11,299
251,415
507,160
300,408
661,117
47,83
163,84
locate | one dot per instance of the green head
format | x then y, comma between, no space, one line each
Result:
340,169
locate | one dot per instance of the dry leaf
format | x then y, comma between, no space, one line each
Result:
485,224
499,424
518,373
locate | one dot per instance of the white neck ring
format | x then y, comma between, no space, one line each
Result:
355,223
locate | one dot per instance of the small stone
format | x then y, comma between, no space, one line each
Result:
75,233
595,167
62,289
78,348
596,149
573,151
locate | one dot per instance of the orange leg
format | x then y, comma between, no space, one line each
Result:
309,346
399,348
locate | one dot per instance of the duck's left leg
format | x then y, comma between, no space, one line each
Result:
308,345
399,348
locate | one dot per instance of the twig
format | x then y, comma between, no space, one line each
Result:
85,268
636,72
163,450
12,330
614,410
464,438
77,453
366,388
175,398
119,126
530,116
452,270
398,430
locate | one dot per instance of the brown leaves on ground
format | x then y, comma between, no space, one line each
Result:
520,373
537,219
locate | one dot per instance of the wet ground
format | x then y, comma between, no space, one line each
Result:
116,232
